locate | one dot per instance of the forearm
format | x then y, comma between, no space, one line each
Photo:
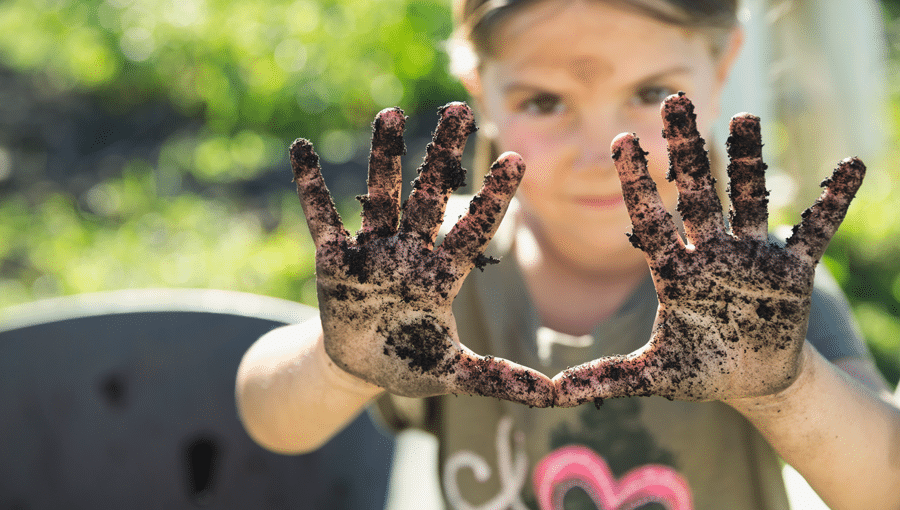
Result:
290,396
839,435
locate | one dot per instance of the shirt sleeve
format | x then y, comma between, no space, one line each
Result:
832,329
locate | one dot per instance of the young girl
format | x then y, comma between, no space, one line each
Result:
557,81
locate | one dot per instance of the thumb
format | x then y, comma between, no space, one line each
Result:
610,377
503,379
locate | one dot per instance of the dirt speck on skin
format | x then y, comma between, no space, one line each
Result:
494,377
635,240
488,374
356,259
528,381
421,343
343,292
764,311
481,261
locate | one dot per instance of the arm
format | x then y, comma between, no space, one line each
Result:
291,397
842,436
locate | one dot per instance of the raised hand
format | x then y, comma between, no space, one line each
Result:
385,295
733,306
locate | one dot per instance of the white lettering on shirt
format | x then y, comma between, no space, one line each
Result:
512,469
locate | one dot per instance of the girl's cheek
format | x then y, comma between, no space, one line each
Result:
534,148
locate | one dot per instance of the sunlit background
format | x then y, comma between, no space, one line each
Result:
143,143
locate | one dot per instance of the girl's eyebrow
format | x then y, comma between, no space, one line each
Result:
516,86
521,86
664,74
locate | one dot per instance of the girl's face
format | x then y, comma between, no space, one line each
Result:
566,78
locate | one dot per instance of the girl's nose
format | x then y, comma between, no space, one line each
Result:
593,148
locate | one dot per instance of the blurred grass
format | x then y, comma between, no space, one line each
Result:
243,80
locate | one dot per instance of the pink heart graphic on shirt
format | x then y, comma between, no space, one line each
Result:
579,466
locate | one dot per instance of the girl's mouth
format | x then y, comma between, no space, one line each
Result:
600,202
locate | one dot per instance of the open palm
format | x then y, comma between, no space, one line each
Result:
385,295
733,305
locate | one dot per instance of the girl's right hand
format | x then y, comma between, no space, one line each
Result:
385,295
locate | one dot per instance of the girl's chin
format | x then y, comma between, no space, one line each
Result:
601,253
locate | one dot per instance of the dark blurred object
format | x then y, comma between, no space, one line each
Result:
126,400
67,141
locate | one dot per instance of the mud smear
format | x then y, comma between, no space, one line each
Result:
356,258
420,343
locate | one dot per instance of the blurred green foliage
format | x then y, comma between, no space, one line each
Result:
255,75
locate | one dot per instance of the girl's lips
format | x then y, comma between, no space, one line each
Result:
600,202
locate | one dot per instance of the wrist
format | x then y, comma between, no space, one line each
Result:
340,377
775,403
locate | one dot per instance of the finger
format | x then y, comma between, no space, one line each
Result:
698,202
653,228
821,221
381,206
440,173
467,239
604,378
500,378
747,180
322,218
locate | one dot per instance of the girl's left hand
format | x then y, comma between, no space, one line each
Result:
733,306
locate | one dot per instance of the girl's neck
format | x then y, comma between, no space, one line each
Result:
570,299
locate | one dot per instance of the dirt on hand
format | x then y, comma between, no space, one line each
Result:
733,306
385,295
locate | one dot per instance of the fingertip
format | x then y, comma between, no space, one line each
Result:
744,117
623,142
848,176
854,166
455,108
388,131
745,140
393,113
510,155
303,155
678,116
461,111
300,148
677,102
744,123
627,154
391,118
509,163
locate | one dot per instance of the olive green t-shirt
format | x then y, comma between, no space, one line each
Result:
630,453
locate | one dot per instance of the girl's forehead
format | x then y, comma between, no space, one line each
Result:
573,22
592,41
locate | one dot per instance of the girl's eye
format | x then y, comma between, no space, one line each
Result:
544,104
651,95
